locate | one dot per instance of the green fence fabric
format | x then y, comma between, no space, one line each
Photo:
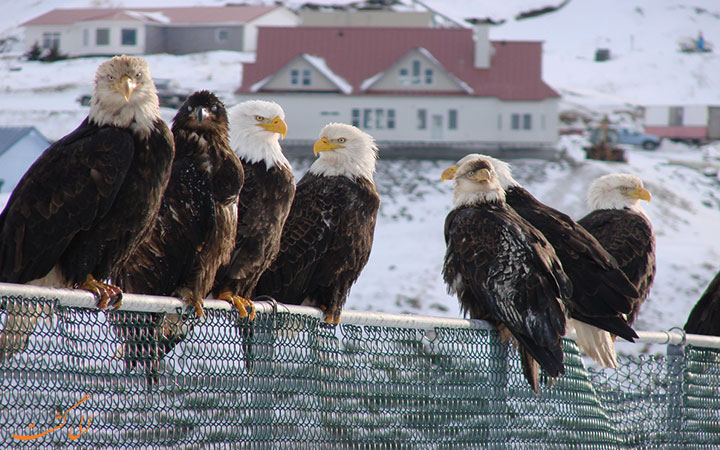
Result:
314,386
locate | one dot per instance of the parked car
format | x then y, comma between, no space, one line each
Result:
168,94
628,136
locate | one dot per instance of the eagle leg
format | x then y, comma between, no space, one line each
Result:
108,294
245,306
332,314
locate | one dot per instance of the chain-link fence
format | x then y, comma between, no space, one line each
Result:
375,381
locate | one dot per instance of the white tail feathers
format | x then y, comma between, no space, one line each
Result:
596,343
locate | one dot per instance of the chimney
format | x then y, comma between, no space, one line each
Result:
482,47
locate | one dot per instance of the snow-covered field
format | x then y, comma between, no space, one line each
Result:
403,274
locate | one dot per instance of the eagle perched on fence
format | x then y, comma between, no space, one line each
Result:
328,235
624,230
89,200
255,129
504,271
602,294
194,232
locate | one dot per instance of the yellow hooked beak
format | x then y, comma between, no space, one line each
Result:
277,125
126,87
481,175
448,174
323,145
641,193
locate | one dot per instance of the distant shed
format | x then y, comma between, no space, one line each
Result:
689,122
19,148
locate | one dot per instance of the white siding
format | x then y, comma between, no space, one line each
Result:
279,17
16,160
72,38
477,118
659,115
695,115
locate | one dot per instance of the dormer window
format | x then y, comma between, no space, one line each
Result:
428,76
403,77
416,72
294,77
306,77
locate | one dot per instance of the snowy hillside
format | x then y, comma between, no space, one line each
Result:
403,274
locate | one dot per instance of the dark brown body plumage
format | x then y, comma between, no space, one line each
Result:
509,275
80,210
262,211
85,204
602,294
325,244
628,236
705,316
194,232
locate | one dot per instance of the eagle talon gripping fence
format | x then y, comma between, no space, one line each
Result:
374,381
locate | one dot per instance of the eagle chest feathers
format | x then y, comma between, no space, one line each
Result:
262,209
109,242
327,240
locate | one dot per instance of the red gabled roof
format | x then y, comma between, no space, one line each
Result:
175,16
357,53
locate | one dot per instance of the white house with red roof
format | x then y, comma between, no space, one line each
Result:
407,86
136,31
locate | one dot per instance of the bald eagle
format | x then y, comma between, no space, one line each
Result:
504,271
602,294
328,235
89,200
194,232
624,230
255,129
705,316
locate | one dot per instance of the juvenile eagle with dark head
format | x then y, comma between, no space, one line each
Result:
255,129
328,235
89,200
624,230
193,235
602,294
504,271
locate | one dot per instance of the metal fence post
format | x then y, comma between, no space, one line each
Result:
675,395
498,395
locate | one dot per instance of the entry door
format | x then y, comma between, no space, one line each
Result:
436,126
714,122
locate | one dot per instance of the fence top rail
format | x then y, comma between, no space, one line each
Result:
148,303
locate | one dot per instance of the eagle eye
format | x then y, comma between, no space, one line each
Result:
110,77
471,173
139,74
189,108
214,108
259,118
341,140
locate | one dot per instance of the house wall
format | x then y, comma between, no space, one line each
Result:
278,17
80,39
281,79
16,160
192,39
482,120
365,19
155,39
659,115
694,126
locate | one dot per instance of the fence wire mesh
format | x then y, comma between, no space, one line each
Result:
313,386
